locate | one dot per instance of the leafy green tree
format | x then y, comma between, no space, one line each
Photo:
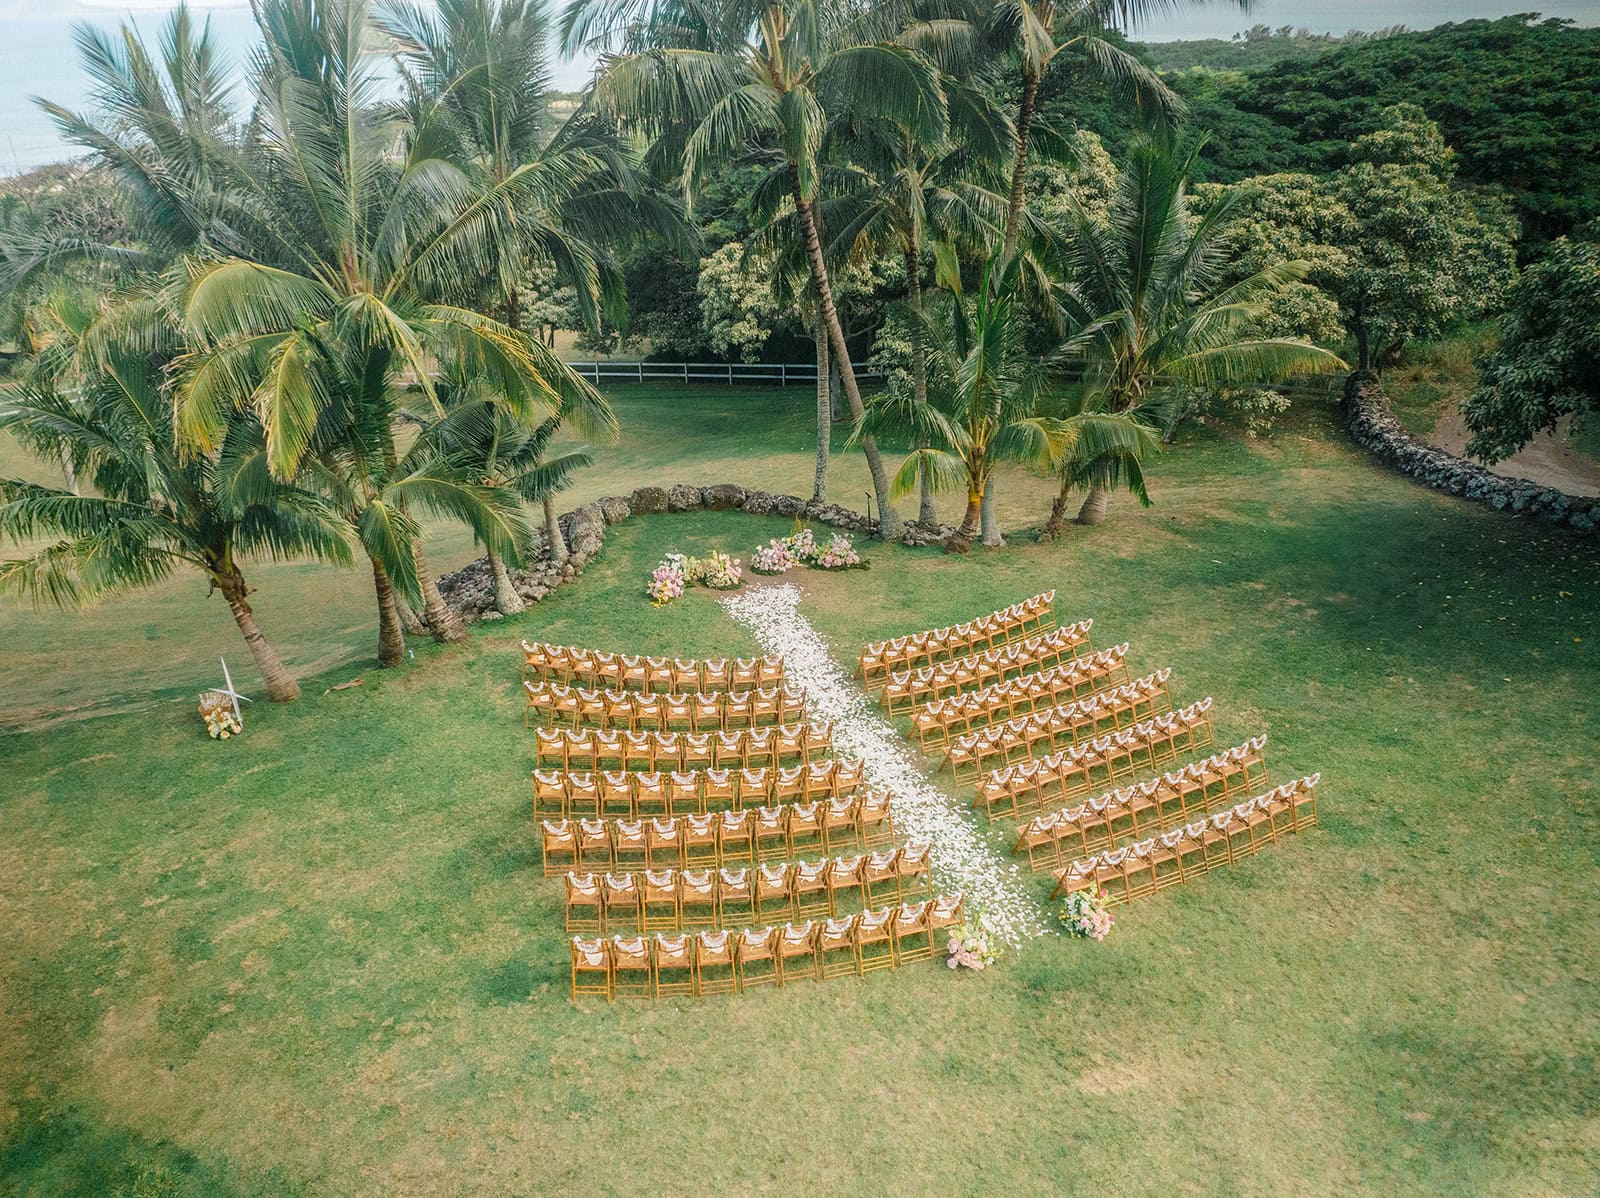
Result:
1150,311
150,510
1545,368
737,303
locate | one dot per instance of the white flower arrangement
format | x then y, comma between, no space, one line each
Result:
222,722
1085,913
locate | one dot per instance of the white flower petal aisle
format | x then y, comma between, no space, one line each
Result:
961,861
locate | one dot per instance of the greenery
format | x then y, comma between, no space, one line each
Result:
1544,367
1254,49
308,963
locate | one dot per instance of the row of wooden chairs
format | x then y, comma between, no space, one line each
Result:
628,671
673,899
1161,861
551,703
1040,732
726,838
1023,789
726,962
596,748
936,721
881,658
903,691
1175,798
571,794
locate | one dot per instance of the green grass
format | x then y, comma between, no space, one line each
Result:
320,959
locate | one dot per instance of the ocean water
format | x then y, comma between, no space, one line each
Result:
38,56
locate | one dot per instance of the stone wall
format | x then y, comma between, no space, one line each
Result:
470,590
1374,426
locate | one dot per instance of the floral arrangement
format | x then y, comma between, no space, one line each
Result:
780,555
677,572
971,947
1085,913
216,709
666,581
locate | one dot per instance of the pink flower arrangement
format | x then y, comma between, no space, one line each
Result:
1085,914
773,558
666,582
840,554
970,947
780,555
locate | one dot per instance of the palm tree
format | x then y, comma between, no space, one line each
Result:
477,77
351,278
910,197
712,81
151,510
1150,312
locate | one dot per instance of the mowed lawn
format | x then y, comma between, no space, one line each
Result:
320,959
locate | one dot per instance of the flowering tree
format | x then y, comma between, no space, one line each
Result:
737,304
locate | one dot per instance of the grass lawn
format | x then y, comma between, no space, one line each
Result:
320,959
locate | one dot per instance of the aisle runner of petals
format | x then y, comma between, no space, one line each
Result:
961,861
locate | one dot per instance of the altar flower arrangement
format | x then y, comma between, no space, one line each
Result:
216,709
1085,913
780,555
774,557
839,554
666,581
971,947
719,571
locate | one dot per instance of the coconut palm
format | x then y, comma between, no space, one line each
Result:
477,77
1150,311
353,280
711,81
149,510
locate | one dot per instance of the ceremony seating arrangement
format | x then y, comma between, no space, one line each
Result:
714,840
672,900
602,748
570,794
904,690
625,671
673,964
936,721
1023,789
551,704
882,658
1175,798
1041,731
1158,862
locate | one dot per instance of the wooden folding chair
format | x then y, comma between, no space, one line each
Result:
650,714
550,794
716,674
875,819
736,838
719,790
700,841
913,866
713,954
910,932
774,892
684,795
810,887
594,843
535,660
837,951
1191,849
583,796
621,897
880,878
798,944
663,843
756,959
736,895
789,784
844,878
706,713
697,898
658,901
841,824
875,940
638,750
745,675
558,846
772,832
591,969
585,912
632,967
804,828
948,911
616,794
650,796
673,965
697,753
607,748
629,848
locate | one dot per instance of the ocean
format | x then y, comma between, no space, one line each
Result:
38,57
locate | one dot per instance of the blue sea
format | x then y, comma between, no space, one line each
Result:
38,57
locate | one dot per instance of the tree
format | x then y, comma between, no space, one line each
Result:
151,511
1150,311
713,83
737,304
1544,368
1422,254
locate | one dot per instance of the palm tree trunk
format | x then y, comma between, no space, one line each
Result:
409,620
992,536
1019,166
1093,510
69,474
1058,514
445,624
505,592
927,515
552,527
888,518
819,485
961,540
391,640
281,686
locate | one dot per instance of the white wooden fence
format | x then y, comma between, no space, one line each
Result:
777,374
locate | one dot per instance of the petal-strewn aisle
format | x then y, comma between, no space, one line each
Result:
961,861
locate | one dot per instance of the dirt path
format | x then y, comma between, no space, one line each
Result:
1547,460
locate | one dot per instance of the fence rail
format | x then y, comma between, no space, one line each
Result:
778,374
